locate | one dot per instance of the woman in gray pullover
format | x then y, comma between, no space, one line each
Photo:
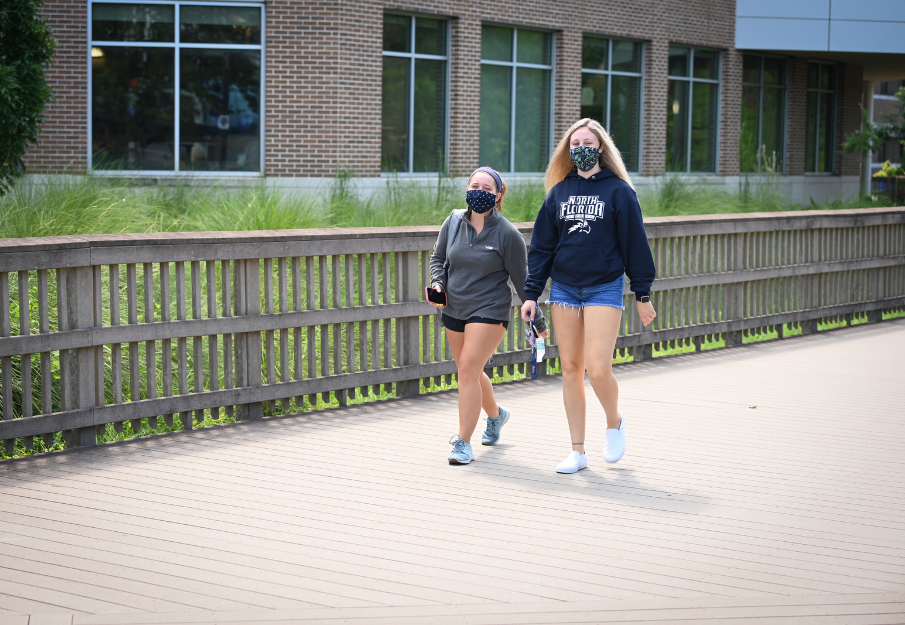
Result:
486,252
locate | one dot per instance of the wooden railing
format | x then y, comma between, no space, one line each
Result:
109,329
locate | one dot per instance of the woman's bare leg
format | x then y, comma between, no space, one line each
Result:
471,350
600,332
570,337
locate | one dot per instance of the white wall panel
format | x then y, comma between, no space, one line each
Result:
849,36
875,10
753,33
803,9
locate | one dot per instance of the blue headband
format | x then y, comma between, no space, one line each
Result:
492,172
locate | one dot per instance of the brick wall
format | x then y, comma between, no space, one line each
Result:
797,116
303,71
323,79
567,94
848,116
63,144
653,132
465,94
730,112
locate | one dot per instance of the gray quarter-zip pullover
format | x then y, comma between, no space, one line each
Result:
479,266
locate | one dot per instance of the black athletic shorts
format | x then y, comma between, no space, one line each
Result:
457,325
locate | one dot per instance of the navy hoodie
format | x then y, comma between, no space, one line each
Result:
589,231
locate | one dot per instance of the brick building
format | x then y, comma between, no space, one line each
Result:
297,90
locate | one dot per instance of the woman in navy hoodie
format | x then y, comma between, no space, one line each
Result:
587,236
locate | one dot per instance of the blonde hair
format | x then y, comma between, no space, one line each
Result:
502,192
561,161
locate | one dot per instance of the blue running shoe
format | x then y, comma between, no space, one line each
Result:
492,432
461,453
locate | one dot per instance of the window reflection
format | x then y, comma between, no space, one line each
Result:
516,140
394,127
219,110
413,120
691,114
761,141
496,116
821,120
133,87
677,126
218,24
133,22
613,99
132,108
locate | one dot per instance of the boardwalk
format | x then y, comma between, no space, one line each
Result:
765,482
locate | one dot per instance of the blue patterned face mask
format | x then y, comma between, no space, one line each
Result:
585,157
480,201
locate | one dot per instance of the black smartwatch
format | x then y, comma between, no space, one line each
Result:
644,299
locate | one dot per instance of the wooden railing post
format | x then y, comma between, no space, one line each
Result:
878,277
735,299
409,342
6,362
810,285
248,362
80,311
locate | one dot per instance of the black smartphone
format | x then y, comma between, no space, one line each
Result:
437,297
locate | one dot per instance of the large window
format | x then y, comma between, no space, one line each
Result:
820,149
763,113
176,87
692,109
413,132
611,91
516,66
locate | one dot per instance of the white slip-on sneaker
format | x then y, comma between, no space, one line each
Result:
615,442
573,463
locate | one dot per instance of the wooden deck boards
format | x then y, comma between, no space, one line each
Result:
794,509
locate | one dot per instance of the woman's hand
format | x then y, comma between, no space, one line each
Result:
529,309
646,312
437,288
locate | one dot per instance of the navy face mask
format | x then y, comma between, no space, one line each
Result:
480,201
585,157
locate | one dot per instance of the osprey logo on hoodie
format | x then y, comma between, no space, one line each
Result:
583,209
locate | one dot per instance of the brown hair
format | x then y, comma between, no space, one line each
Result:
561,161
502,192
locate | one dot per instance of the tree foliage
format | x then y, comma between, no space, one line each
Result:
872,136
26,48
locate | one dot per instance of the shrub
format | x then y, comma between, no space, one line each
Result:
26,47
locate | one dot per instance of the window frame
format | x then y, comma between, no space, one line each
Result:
719,105
834,122
514,64
413,56
176,46
609,73
760,103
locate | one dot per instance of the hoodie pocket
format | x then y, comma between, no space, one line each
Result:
579,261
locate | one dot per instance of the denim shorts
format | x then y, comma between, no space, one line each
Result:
609,294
